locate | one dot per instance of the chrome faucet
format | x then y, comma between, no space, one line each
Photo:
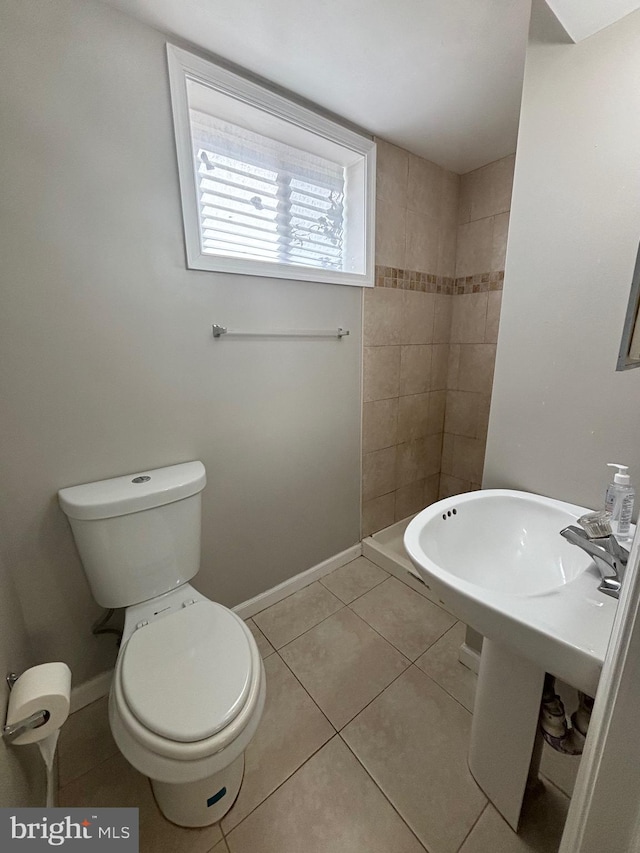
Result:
608,555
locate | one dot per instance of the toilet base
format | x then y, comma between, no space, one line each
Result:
203,802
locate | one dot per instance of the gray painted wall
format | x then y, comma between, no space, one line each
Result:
22,773
109,365
559,411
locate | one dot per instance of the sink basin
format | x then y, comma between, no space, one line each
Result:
495,560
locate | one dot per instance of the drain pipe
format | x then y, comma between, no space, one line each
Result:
558,733
100,626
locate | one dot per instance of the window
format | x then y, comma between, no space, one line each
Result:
269,188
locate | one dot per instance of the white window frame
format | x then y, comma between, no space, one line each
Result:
184,66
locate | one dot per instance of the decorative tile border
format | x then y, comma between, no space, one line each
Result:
479,283
426,283
413,280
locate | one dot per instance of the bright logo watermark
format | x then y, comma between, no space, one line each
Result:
69,829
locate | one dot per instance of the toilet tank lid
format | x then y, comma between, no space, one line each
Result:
133,492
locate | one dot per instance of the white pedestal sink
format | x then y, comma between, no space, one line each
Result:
496,560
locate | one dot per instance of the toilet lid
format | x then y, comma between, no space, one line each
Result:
187,675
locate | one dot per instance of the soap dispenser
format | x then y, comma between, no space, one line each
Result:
619,500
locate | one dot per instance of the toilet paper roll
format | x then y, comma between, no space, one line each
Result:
46,687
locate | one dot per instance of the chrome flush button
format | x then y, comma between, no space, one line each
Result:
143,479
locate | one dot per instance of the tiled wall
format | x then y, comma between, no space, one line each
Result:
407,318
485,199
430,327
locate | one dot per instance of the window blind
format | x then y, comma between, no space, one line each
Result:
264,200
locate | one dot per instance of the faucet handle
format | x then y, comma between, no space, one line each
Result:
606,552
577,531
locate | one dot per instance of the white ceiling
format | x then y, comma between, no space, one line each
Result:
442,78
583,18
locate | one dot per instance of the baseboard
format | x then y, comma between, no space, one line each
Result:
89,691
97,687
291,585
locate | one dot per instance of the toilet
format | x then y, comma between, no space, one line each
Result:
189,686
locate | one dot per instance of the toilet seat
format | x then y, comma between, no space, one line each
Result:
166,759
187,675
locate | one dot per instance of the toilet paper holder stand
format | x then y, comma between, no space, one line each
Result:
14,730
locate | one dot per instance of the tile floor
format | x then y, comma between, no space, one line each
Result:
363,743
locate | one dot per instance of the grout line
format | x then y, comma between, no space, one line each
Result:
308,758
306,631
444,689
262,634
406,657
319,580
403,580
62,788
287,597
338,733
349,603
475,823
223,840
371,701
554,785
308,694
277,788
384,794
390,642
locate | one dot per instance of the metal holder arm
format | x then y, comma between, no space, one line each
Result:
14,730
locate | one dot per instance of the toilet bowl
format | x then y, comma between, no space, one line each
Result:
189,686
187,696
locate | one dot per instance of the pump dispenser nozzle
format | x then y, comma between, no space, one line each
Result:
620,476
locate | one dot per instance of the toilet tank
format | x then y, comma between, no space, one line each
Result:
139,535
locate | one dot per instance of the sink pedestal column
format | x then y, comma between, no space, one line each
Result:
505,745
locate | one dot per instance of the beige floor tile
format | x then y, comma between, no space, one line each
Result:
541,826
405,618
85,741
292,728
264,646
115,783
343,664
221,847
441,663
413,739
353,580
286,620
329,806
